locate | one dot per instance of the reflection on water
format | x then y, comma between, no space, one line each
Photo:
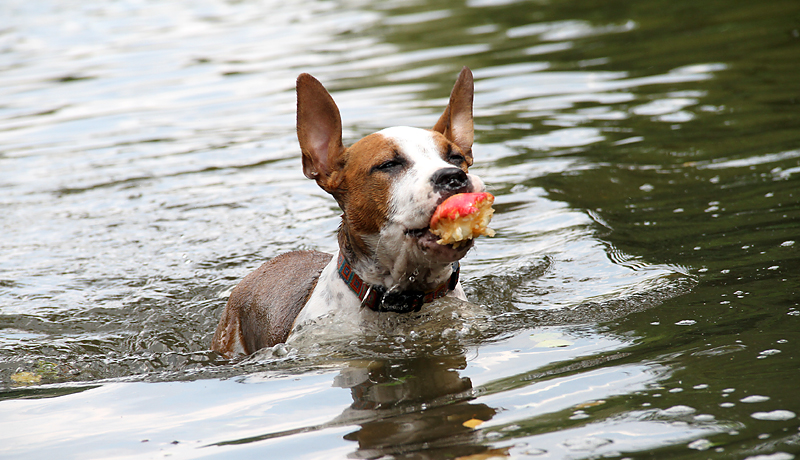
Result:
640,298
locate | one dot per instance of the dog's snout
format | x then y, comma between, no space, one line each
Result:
450,180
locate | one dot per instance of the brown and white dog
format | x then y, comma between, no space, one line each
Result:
388,185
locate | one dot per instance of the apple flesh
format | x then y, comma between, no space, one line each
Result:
463,217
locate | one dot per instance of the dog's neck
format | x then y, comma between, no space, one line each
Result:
393,269
379,299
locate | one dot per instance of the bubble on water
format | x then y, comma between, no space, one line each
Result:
449,334
727,404
788,243
775,456
493,435
700,444
677,410
646,188
701,386
774,267
754,399
588,443
774,415
686,322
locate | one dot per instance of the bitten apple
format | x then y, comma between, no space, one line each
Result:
462,217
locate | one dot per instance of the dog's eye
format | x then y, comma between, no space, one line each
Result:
388,165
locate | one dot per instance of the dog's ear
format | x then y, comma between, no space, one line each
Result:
319,129
456,121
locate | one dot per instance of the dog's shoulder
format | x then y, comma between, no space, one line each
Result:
262,308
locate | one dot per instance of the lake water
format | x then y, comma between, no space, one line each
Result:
641,298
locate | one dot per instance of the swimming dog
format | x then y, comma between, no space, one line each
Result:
388,186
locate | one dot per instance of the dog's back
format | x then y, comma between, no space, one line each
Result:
262,308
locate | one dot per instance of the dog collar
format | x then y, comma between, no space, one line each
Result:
378,299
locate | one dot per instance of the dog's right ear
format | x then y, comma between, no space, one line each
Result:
456,121
319,130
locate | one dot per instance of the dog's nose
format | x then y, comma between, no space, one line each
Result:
450,180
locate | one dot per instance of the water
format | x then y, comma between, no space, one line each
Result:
641,297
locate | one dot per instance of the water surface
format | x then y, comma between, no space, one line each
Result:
640,300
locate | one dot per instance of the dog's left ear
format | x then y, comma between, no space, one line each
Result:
319,130
456,121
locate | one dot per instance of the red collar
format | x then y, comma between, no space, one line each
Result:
377,298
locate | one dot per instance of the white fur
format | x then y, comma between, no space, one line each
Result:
331,291
413,196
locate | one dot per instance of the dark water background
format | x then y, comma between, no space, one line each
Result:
642,295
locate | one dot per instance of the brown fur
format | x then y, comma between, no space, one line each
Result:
364,212
260,315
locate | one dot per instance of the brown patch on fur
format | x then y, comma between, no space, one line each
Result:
447,148
361,192
262,308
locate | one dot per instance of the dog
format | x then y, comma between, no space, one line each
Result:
388,185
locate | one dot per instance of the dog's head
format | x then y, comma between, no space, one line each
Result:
389,183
